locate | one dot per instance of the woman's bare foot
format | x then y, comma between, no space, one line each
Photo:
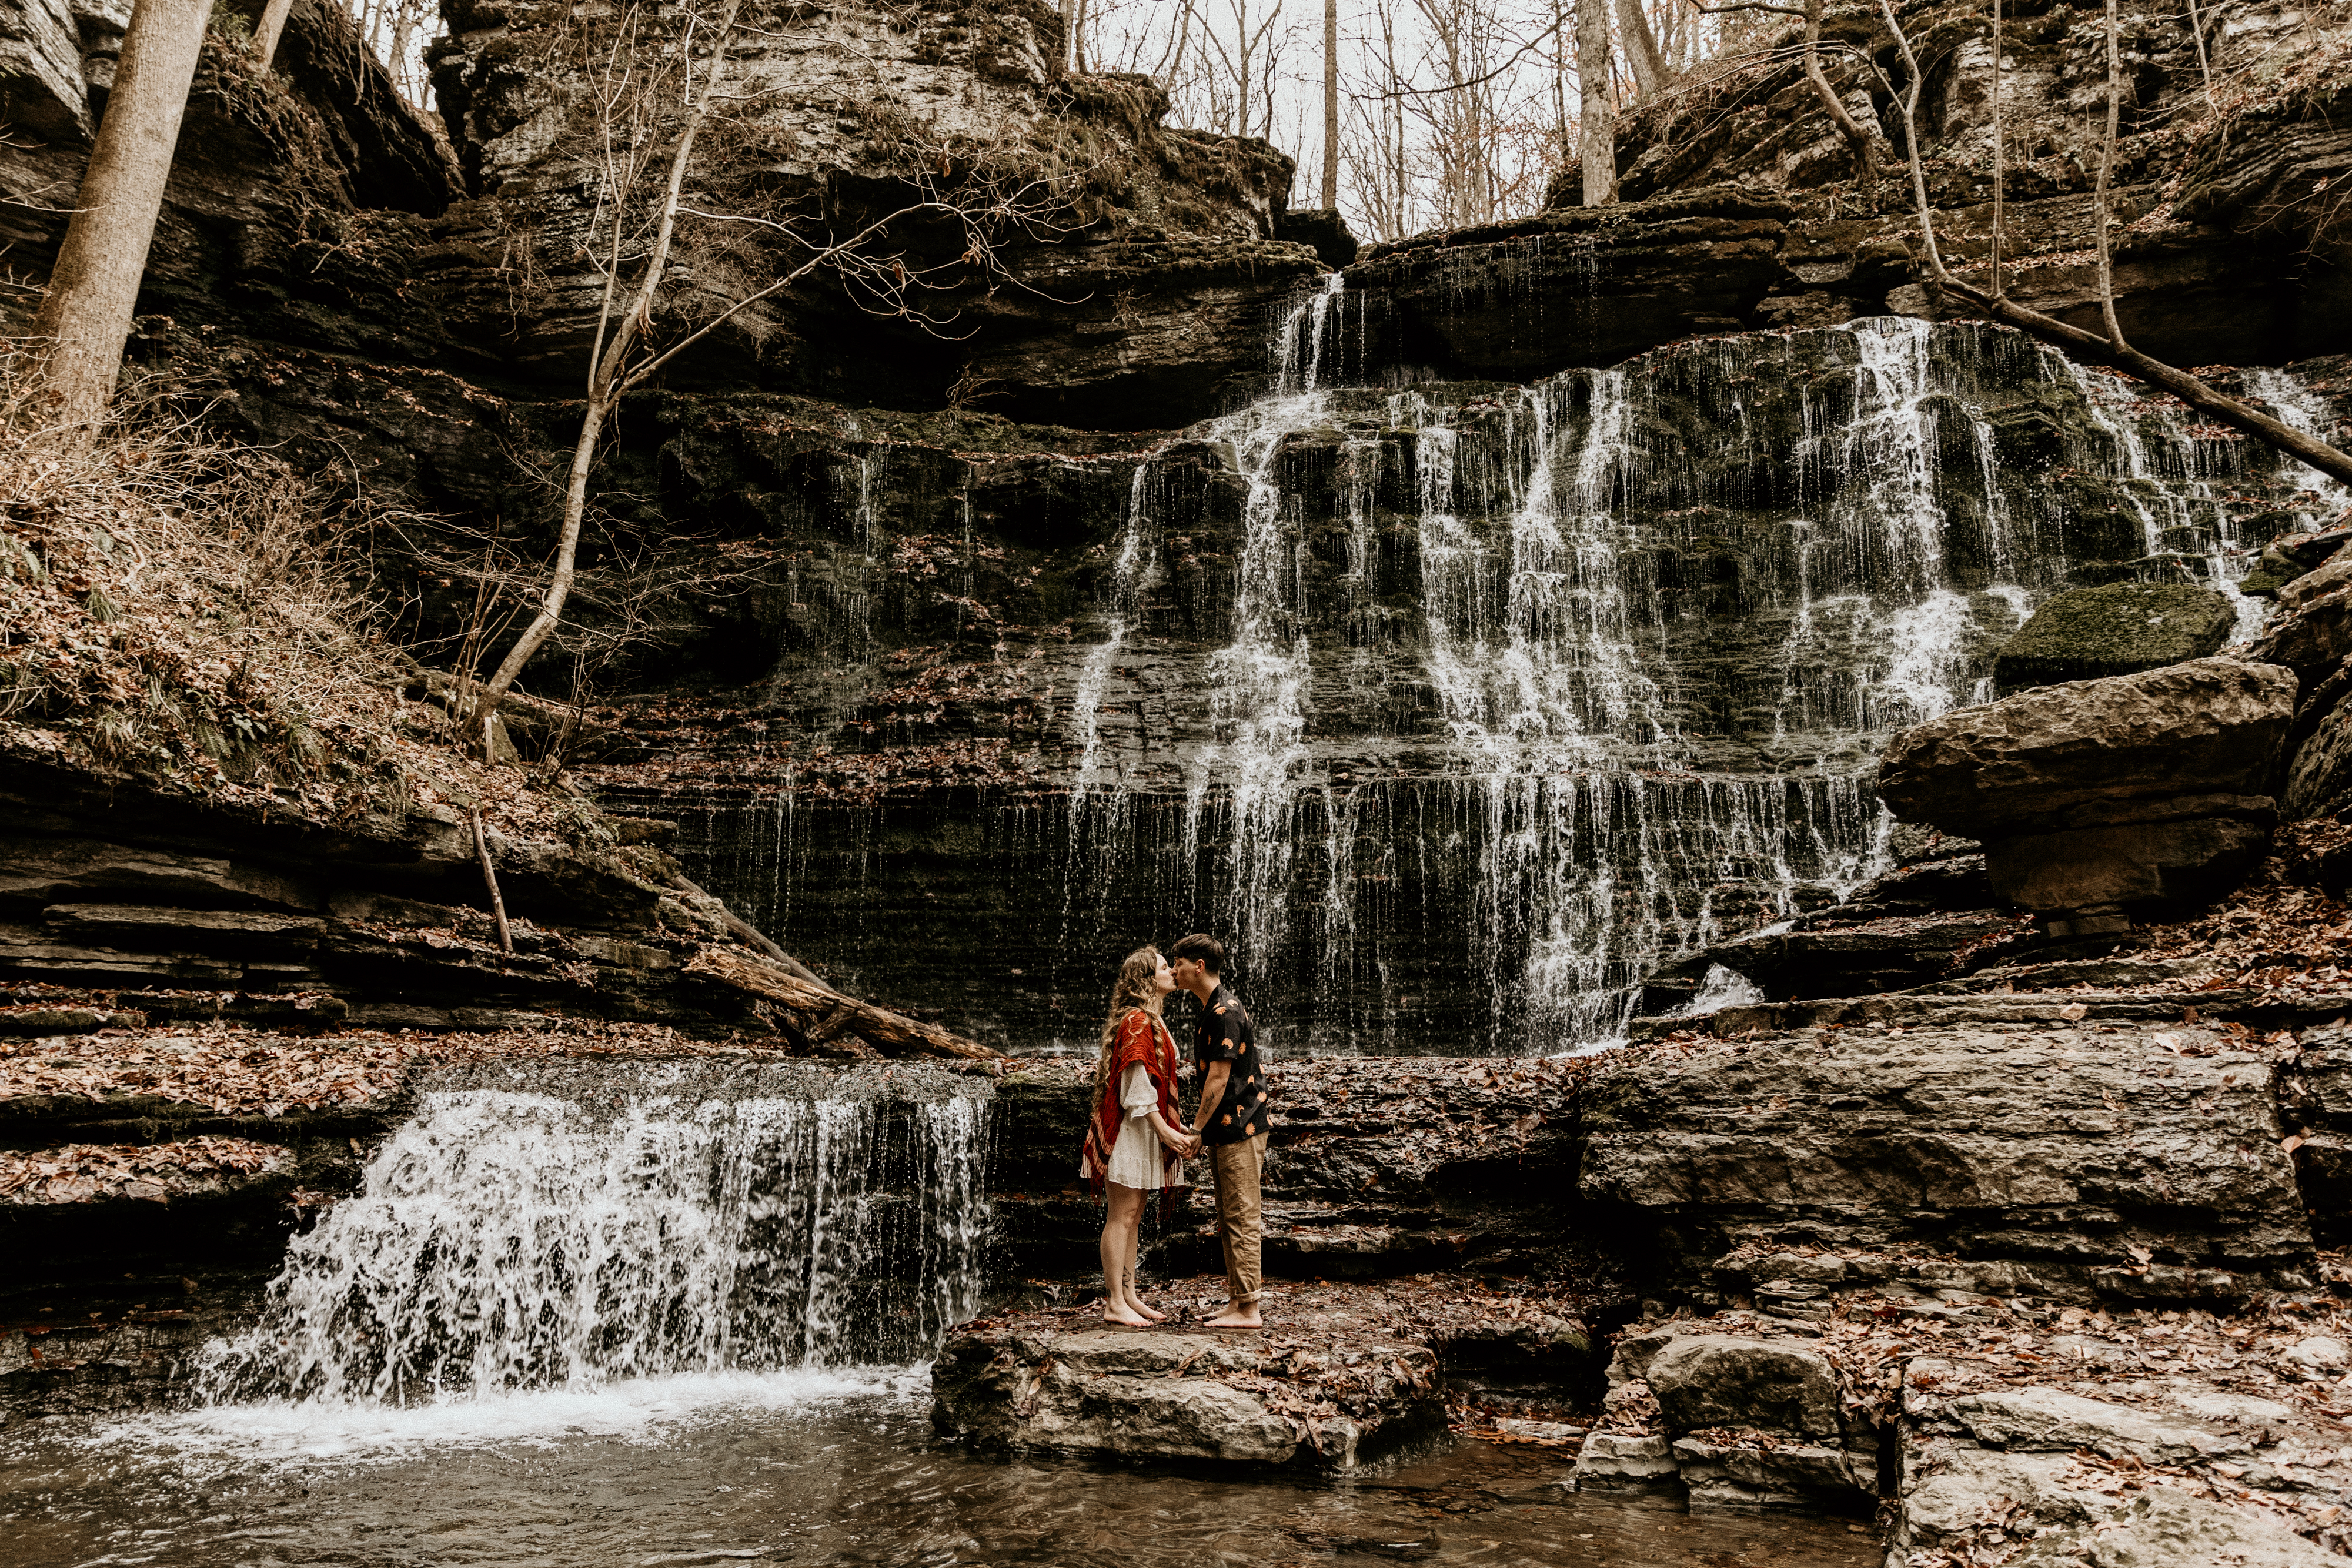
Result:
1124,1317
1149,1310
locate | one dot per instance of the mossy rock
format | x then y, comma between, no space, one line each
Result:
2268,578
2086,633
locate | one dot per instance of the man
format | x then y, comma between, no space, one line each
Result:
1232,1122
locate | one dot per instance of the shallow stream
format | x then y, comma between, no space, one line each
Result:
802,1468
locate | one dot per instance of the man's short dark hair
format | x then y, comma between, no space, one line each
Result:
1206,949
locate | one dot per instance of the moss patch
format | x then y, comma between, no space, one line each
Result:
2089,632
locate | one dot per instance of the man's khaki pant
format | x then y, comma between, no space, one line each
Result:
1240,1222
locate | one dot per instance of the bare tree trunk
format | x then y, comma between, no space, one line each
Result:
1866,161
1559,36
1597,117
490,881
1331,103
2204,61
2100,214
94,288
1640,46
1909,99
264,34
1999,154
2097,347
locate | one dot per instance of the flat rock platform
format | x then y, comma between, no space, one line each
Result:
1343,1372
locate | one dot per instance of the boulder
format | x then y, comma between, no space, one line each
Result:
2318,583
2186,862
1771,1474
2089,633
2311,642
1325,228
2322,767
2290,569
2210,726
1720,1380
1625,1461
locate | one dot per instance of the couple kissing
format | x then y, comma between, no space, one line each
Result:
1137,1138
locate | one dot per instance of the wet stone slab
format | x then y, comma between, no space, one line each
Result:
1342,1374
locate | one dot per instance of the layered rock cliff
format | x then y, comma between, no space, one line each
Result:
1740,208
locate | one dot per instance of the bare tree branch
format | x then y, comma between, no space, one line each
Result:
2094,347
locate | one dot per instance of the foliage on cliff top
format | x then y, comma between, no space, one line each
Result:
195,615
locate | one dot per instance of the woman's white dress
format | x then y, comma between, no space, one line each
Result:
1138,1159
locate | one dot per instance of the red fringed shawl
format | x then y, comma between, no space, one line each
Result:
1141,1038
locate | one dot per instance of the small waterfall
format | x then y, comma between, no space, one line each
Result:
562,1226
1300,340
2300,410
1133,568
2178,477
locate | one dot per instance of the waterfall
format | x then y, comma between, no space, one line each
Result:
1133,568
561,1226
1471,702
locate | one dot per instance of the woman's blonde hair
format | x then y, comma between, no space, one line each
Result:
1132,989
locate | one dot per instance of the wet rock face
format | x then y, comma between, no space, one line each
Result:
1266,678
2046,1145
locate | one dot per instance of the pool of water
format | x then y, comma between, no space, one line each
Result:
797,1468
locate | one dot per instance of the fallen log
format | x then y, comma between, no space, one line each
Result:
822,1013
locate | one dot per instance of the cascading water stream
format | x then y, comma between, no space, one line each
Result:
2300,411
1596,824
566,1226
1457,710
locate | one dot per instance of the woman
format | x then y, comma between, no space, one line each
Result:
1136,1142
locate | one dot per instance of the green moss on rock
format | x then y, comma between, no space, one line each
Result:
2086,633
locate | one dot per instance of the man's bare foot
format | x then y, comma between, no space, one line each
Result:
1233,1317
1125,1318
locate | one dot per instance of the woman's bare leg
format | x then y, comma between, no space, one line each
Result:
1120,1224
1134,1292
